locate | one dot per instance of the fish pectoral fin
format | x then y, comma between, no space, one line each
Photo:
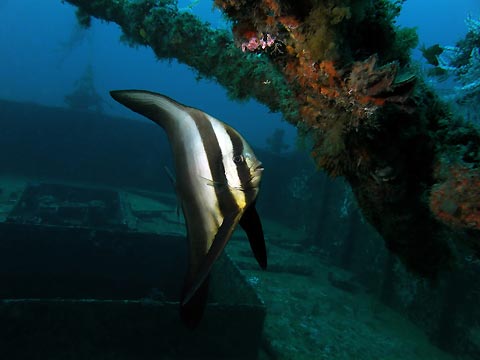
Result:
174,184
250,222
215,184
171,177
221,238
221,186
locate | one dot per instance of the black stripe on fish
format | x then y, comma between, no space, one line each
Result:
226,201
250,221
243,171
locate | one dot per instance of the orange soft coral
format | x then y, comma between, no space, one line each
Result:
456,200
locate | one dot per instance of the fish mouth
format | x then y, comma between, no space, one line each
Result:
259,167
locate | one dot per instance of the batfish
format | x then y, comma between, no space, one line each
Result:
217,182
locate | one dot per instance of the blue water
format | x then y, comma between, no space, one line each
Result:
37,65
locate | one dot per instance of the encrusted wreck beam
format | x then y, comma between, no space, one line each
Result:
337,70
173,34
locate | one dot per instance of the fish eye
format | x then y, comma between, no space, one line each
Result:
238,159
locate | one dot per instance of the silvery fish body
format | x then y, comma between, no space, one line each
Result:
217,181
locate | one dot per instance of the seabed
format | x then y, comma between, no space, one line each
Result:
313,310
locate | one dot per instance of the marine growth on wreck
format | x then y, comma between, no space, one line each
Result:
340,71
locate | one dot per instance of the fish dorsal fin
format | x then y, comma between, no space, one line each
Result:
250,222
221,238
158,108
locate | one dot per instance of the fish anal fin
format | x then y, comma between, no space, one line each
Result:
250,222
192,312
221,238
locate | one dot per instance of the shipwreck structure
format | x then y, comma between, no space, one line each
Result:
339,70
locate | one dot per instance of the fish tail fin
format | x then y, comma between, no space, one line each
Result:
192,311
